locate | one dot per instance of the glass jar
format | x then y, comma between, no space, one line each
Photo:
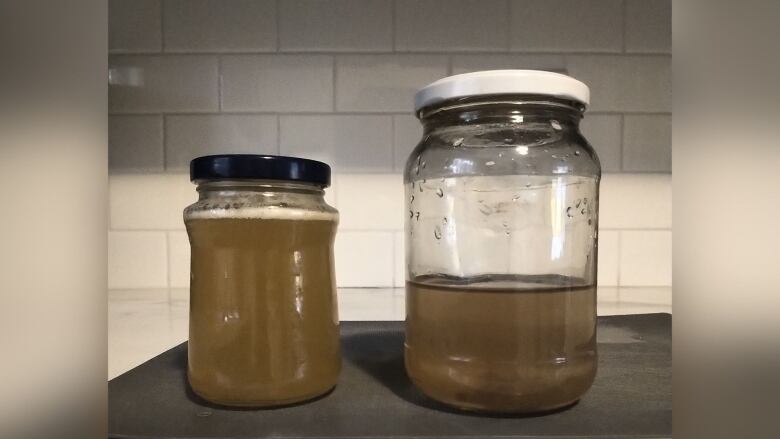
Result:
501,233
263,317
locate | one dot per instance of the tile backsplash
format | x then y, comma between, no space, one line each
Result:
334,79
148,246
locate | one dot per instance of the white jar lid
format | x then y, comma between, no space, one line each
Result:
491,82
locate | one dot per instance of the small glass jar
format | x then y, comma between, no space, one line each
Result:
263,317
501,230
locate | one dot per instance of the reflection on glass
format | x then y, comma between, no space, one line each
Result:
557,203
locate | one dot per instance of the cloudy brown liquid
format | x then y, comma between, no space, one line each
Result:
263,323
501,350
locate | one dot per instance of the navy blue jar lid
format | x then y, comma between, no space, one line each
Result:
259,167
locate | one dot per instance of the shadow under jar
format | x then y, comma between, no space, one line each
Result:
263,317
501,238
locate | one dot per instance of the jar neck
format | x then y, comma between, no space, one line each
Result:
212,188
501,109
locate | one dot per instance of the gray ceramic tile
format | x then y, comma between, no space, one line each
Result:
384,82
277,83
645,258
474,63
363,259
603,132
647,143
135,144
407,133
451,25
137,260
566,25
219,25
336,25
649,26
347,143
625,83
188,137
162,83
134,26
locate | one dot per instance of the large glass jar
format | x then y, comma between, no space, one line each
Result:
501,232
263,318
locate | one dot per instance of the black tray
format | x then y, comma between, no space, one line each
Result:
631,397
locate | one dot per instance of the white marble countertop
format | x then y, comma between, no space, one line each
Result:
143,323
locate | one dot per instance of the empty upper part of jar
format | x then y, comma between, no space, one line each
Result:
503,185
502,122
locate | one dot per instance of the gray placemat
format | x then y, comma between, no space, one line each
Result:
631,396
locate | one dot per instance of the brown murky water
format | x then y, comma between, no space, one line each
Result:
501,349
263,320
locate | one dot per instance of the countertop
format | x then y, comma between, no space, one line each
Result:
143,323
374,397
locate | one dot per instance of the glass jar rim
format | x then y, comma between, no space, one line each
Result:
511,100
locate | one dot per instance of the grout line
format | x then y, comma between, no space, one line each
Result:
182,228
395,258
334,89
265,113
635,229
388,171
392,140
340,113
164,142
116,290
482,52
621,152
337,51
619,260
162,27
219,83
333,187
509,33
134,52
624,20
278,134
627,287
168,259
367,288
169,308
146,230
278,26
642,173
393,32
630,113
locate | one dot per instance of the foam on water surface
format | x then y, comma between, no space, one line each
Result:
195,212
